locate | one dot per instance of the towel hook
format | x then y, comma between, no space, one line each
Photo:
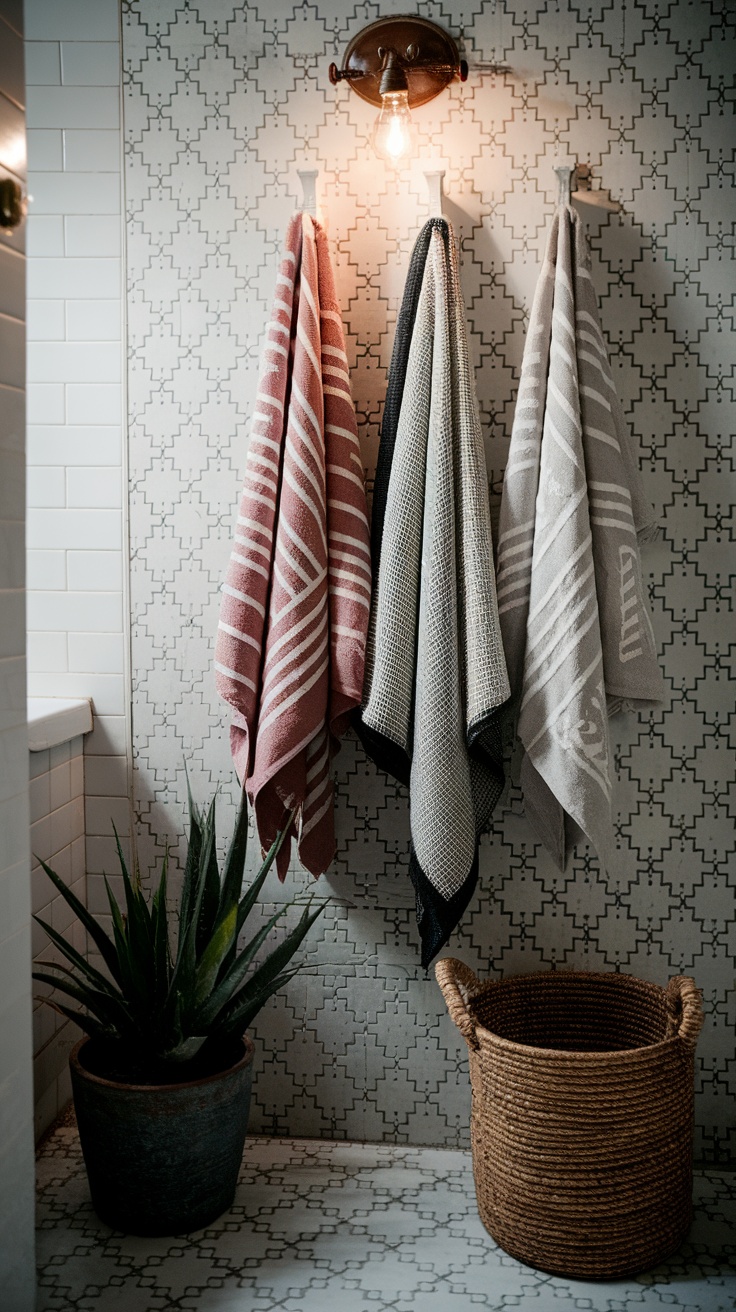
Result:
434,187
566,181
308,179
570,176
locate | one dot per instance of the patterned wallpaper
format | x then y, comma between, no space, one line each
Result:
223,103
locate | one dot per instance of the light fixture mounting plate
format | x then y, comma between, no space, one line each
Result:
427,53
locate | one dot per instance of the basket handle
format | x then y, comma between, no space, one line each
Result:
452,977
684,1004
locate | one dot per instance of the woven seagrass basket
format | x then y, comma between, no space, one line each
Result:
582,1114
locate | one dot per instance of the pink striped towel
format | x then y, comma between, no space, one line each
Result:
295,603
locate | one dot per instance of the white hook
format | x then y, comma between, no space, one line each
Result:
434,187
308,179
566,181
568,188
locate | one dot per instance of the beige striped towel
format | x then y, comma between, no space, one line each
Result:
574,616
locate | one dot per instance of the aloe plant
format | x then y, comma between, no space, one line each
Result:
161,1005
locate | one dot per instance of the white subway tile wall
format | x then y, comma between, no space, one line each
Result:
45,149
78,529
100,236
95,570
17,1264
107,691
62,278
94,445
42,63
58,838
75,496
74,20
45,403
47,239
45,569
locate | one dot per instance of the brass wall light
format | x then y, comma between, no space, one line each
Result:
12,204
397,63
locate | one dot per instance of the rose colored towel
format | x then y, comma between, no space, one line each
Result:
295,603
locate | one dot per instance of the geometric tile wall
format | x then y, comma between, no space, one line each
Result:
222,104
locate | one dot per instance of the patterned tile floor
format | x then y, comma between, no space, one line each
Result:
346,1227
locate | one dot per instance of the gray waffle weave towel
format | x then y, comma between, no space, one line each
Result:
435,670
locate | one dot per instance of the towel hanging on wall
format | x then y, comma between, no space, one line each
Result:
435,671
575,619
397,379
294,613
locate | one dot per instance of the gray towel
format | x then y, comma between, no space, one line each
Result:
435,671
575,620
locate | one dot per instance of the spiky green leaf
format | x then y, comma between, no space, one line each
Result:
95,930
191,869
76,958
252,1001
214,1004
213,956
210,877
275,962
186,1050
86,1023
133,978
232,875
160,926
249,898
181,984
139,928
109,1010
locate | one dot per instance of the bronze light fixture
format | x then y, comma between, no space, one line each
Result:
397,63
12,205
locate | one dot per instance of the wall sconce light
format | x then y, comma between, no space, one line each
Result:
12,204
397,63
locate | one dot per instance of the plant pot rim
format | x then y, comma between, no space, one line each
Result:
100,1080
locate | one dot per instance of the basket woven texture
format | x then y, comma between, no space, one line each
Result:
582,1114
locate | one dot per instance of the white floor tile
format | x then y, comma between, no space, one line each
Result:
347,1227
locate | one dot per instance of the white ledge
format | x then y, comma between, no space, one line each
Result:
54,720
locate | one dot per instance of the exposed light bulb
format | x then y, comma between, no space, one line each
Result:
393,133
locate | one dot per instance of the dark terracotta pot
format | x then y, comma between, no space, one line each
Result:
162,1159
